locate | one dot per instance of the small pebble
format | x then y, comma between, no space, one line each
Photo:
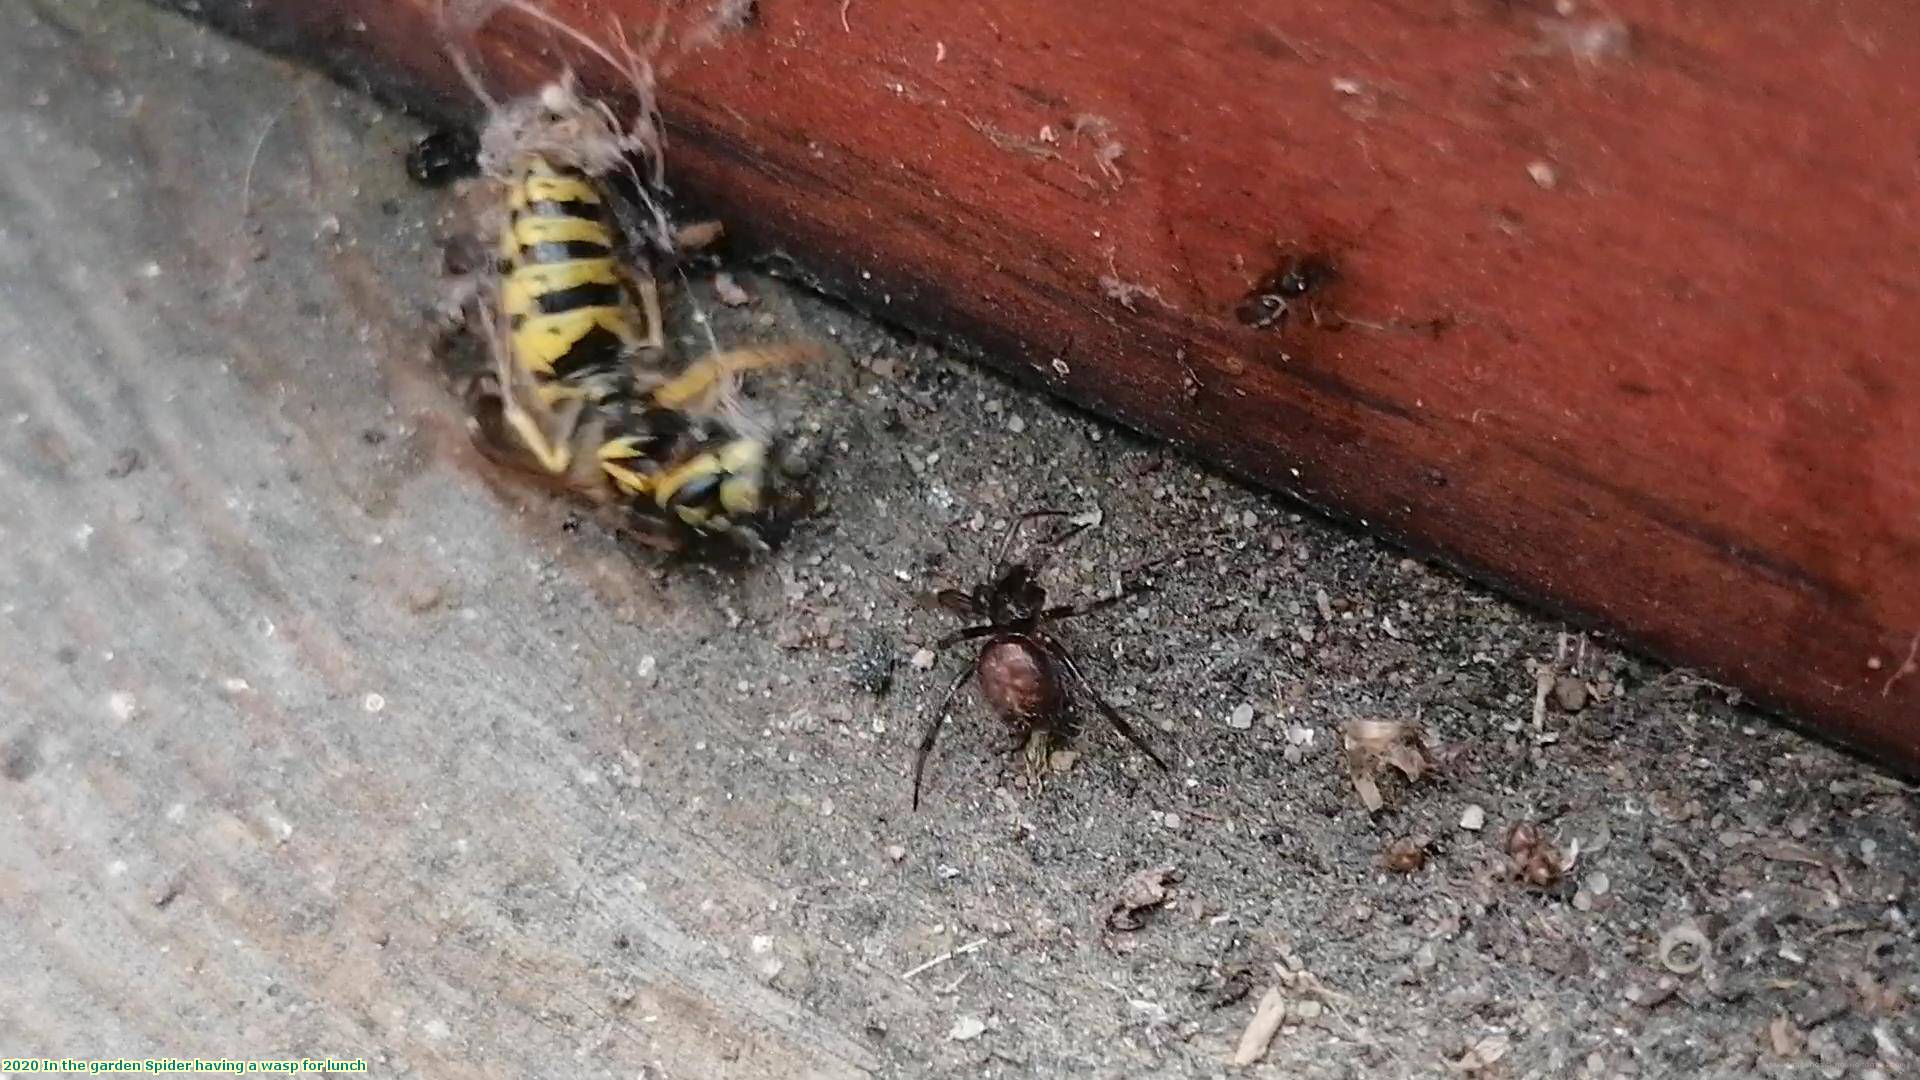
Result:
923,660
1473,818
1016,424
1242,717
967,1027
896,853
1570,693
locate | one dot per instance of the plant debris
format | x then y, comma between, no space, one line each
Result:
1482,1054
1376,745
1405,856
1142,892
1259,1032
1684,949
1531,858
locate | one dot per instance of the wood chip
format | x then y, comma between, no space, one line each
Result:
1785,851
1482,1054
1784,1037
729,292
1267,1018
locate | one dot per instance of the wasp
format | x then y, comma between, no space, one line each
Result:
583,391
1026,675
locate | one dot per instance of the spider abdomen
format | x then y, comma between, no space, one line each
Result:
1019,680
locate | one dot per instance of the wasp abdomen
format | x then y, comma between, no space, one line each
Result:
566,302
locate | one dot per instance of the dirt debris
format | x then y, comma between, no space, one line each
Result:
1142,892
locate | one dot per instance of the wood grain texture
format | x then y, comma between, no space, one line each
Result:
1627,313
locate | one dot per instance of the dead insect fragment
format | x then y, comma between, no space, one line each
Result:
441,157
1374,746
1298,274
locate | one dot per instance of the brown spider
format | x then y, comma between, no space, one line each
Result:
1025,674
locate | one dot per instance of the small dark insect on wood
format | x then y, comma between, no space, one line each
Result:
1298,273
1025,674
443,156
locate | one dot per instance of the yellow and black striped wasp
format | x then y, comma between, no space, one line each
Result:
583,391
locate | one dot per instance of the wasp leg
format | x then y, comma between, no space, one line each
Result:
550,444
933,731
646,292
702,379
698,235
641,529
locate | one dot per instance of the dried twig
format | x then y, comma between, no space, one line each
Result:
1267,1018
963,950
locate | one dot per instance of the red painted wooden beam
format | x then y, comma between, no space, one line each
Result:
1628,295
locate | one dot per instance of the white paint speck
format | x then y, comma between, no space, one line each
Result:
1543,174
234,685
122,705
374,703
762,943
116,868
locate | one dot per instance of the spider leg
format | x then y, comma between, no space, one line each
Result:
967,634
1113,716
951,600
1085,607
1013,530
933,732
